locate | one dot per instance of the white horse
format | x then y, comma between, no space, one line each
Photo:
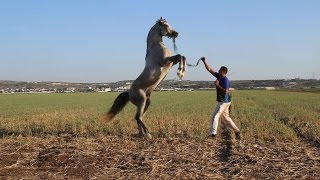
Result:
158,62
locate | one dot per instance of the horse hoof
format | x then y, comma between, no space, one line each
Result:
104,119
140,135
148,136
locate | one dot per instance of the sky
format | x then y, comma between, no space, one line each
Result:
105,41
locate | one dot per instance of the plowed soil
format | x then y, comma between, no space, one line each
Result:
112,157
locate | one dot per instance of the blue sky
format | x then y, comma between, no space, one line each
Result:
105,41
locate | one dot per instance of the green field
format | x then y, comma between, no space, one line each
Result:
261,115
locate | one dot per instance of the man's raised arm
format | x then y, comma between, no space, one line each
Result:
207,66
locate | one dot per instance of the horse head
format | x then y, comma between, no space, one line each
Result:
166,30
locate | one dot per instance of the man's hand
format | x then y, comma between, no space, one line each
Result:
216,82
220,87
207,66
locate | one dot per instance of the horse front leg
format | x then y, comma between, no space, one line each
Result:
182,67
182,64
175,59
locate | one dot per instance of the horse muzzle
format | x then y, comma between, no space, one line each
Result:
174,34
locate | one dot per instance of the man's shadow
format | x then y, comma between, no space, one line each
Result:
225,152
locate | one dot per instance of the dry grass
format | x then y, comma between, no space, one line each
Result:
162,158
57,136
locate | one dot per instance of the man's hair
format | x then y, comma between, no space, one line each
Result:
224,69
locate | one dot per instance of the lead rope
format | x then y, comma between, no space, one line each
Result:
183,63
175,48
195,64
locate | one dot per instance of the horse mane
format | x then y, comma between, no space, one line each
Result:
153,27
158,22
150,31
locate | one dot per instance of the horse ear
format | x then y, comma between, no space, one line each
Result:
161,18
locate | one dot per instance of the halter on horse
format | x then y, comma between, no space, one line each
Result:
158,62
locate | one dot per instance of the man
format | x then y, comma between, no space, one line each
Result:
224,100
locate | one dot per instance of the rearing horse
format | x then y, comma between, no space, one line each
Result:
158,62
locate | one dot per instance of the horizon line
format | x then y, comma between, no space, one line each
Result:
163,80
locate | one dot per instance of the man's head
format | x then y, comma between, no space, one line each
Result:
223,70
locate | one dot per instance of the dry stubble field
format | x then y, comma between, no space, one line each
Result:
58,136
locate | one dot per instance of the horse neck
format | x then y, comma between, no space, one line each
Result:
154,37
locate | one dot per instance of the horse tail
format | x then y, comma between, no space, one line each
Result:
119,103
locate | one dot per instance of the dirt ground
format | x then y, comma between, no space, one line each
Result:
112,157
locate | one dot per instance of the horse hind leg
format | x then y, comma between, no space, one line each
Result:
142,103
148,102
143,130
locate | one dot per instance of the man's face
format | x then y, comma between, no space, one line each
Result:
221,72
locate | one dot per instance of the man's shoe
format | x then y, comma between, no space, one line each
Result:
238,136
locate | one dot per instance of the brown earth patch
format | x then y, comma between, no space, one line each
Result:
161,158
